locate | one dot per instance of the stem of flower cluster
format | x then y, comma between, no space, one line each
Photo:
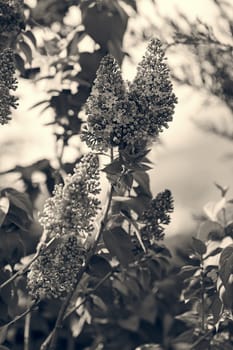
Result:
202,297
19,317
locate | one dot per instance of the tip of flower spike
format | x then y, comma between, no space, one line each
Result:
108,63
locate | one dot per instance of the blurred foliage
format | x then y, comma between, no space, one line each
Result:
209,50
133,295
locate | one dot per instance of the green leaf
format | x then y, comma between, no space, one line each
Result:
104,24
132,3
72,47
113,168
4,207
149,347
98,266
188,271
20,210
199,246
185,337
226,254
222,189
127,179
182,346
138,204
19,200
191,318
5,293
31,37
216,308
226,264
148,309
99,303
114,48
4,317
20,64
194,289
3,347
145,278
120,286
3,335
213,253
25,48
131,323
212,209
119,244
12,248
143,180
210,230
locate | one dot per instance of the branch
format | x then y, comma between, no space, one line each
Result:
27,331
199,340
26,267
76,307
17,318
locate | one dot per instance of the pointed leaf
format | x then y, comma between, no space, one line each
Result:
119,244
31,37
199,246
98,266
213,253
212,209
131,324
4,207
210,230
25,48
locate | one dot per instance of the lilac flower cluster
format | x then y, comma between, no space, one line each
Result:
105,107
68,216
7,83
119,115
11,16
55,271
157,215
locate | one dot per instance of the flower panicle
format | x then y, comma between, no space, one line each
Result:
74,205
11,16
54,273
105,106
121,115
8,82
151,92
67,217
157,215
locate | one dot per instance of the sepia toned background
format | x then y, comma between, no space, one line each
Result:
188,160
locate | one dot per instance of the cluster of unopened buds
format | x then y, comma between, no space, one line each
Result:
156,216
11,23
11,16
68,219
8,82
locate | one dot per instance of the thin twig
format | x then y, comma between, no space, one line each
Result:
76,307
202,296
17,318
58,324
26,267
27,331
199,340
